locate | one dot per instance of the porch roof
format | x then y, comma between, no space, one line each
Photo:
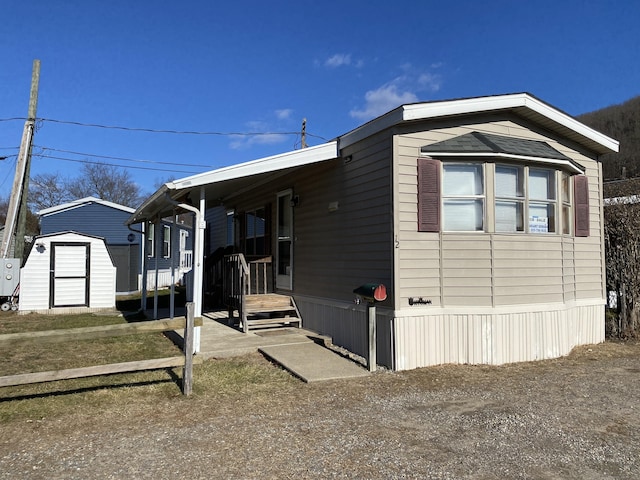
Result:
225,181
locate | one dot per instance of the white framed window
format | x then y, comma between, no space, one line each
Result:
255,222
166,241
151,240
463,197
230,228
525,193
567,206
452,197
542,201
510,198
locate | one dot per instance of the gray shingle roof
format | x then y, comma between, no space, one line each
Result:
476,142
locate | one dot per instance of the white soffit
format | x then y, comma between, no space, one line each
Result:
295,158
429,110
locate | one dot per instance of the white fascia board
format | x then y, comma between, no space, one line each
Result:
80,202
525,158
295,158
505,102
430,110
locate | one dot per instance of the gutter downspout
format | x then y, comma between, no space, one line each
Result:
198,262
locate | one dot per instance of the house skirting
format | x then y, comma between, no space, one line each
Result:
408,339
346,324
494,336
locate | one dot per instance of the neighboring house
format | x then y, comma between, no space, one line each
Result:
481,216
67,272
101,218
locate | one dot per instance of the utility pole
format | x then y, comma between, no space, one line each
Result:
303,134
16,220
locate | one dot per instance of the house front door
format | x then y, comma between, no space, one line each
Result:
284,247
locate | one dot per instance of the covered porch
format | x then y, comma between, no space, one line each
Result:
253,282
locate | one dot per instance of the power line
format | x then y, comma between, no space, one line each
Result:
114,164
152,130
108,157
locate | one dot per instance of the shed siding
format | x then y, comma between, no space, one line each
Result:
35,288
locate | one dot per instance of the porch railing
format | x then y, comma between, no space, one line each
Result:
241,278
186,259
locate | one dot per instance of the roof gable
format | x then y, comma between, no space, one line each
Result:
522,104
81,202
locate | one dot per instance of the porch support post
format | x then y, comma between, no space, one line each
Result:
156,238
172,244
145,265
198,273
198,259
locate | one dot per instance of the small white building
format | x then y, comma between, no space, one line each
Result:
67,272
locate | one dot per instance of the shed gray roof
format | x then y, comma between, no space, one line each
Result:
476,142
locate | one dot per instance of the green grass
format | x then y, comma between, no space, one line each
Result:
218,379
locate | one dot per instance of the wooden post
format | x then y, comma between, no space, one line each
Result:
17,210
371,314
187,373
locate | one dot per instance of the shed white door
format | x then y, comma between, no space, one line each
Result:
70,269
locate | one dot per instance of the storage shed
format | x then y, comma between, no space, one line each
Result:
68,272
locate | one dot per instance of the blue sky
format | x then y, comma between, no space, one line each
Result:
261,67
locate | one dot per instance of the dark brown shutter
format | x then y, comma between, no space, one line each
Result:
428,195
581,200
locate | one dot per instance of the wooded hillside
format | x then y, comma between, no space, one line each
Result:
621,122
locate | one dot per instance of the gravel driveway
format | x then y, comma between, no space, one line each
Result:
576,418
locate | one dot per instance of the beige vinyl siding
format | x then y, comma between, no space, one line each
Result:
336,251
493,269
216,219
465,261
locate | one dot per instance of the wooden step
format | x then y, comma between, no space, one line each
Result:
272,322
268,302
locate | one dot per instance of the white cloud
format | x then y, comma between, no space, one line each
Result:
258,133
402,89
430,81
382,100
243,142
284,114
338,60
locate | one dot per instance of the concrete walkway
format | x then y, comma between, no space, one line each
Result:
303,353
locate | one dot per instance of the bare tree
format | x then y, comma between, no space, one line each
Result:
47,190
106,182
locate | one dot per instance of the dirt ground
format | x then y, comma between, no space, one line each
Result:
573,418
